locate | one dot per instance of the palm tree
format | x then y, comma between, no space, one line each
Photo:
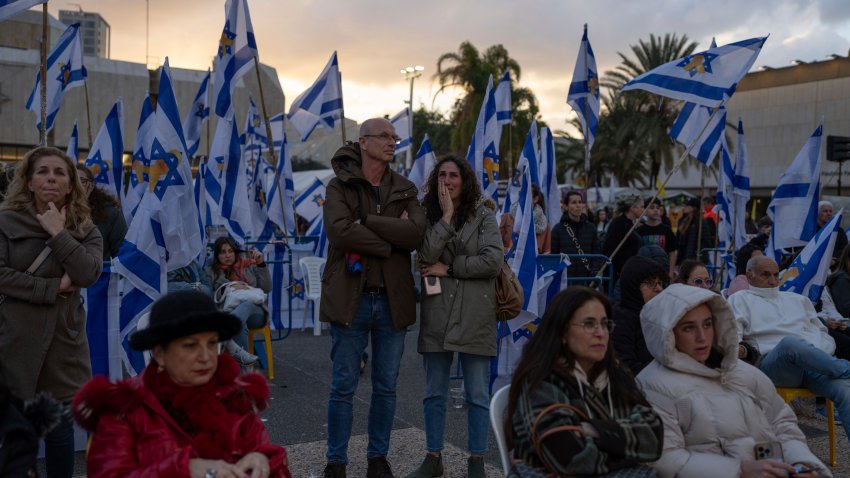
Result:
651,115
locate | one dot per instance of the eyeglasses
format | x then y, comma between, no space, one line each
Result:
385,137
591,325
85,181
702,282
654,283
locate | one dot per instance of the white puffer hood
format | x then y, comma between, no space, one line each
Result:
663,312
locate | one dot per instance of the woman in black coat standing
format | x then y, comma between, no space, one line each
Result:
574,234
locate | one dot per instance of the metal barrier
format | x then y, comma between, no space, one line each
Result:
548,261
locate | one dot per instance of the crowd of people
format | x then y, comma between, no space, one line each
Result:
672,375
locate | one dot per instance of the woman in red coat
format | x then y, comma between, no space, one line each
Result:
190,413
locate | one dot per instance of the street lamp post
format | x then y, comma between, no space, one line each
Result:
411,73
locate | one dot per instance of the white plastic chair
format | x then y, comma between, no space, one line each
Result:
498,405
311,271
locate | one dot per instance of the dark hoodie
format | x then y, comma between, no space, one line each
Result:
627,337
583,236
369,242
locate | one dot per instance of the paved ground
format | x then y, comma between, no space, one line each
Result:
297,416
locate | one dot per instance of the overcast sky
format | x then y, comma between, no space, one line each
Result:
375,38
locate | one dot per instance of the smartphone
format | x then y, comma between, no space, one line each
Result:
768,450
432,285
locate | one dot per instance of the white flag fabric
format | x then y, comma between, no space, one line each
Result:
198,114
141,161
741,187
583,96
106,158
229,188
237,51
402,122
309,203
549,177
524,258
73,149
691,122
708,78
807,274
483,152
9,8
794,206
281,207
321,104
724,200
422,167
65,71
503,99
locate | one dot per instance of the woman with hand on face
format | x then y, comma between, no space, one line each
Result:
189,413
716,409
573,409
230,264
463,250
49,249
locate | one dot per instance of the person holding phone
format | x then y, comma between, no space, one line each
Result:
462,248
720,414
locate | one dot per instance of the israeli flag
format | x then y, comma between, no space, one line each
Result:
198,114
503,99
524,260
401,122
807,274
73,150
201,194
741,187
106,158
794,206
549,176
237,50
583,96
65,71
483,151
229,191
318,229
140,165
691,122
708,78
102,304
527,163
10,8
309,203
281,207
724,200
321,104
422,167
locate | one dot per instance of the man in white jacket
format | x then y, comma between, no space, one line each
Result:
795,346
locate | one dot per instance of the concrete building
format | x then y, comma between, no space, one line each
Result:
95,32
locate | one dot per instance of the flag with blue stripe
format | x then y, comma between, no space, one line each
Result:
401,122
503,99
237,50
101,301
583,96
794,205
724,200
106,158
9,8
422,166
309,203
140,166
691,122
65,71
524,260
318,229
527,164
229,191
201,193
741,187
281,208
708,78
321,104
549,176
483,152
198,114
73,149
807,274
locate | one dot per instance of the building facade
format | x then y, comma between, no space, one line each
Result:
95,32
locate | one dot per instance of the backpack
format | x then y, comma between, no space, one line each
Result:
509,294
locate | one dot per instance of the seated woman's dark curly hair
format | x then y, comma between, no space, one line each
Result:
98,198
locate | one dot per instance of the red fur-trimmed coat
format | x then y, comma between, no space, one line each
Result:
134,435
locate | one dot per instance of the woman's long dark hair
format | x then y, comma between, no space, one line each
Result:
469,196
744,254
545,348
98,199
218,244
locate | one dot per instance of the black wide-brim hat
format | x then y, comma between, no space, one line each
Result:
183,313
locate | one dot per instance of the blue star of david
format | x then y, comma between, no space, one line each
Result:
225,44
172,176
697,63
96,163
138,159
202,112
318,199
64,73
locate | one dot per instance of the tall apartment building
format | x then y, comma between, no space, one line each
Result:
94,31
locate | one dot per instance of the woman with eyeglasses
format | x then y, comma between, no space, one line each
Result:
105,213
719,413
695,273
573,408
641,280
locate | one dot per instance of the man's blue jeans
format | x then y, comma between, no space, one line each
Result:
348,344
476,381
797,363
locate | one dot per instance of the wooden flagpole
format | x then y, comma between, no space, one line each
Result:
42,140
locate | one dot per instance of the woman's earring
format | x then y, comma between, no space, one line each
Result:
160,368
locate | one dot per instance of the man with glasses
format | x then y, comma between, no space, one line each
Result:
373,222
796,348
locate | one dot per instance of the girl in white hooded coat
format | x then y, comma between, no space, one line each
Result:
715,408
